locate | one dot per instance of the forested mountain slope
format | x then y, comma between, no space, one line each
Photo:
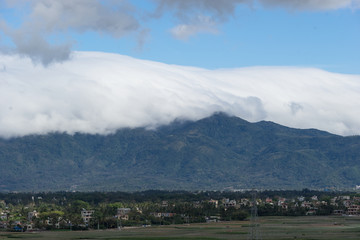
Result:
213,153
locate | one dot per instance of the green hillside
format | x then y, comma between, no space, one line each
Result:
213,153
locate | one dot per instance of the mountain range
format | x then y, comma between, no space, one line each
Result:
215,153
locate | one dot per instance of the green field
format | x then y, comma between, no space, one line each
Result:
309,227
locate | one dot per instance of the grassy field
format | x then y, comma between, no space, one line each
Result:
310,227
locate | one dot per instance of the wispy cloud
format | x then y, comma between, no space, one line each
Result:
315,5
202,24
100,93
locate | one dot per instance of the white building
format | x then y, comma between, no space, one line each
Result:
86,215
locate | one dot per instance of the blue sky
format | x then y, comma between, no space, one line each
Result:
328,40
321,34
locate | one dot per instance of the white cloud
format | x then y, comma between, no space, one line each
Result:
99,93
219,11
47,17
201,16
202,24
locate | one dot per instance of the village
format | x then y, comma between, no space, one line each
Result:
53,211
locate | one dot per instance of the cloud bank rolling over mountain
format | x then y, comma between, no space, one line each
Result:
101,92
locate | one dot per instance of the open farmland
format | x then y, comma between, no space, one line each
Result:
309,227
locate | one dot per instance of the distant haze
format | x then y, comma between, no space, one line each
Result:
100,92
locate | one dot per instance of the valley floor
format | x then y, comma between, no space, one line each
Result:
275,228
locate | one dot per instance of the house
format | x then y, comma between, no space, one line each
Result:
123,217
56,222
314,198
312,211
215,202
86,215
3,224
156,214
244,202
29,227
345,197
338,212
306,204
284,206
281,201
301,198
48,222
229,203
212,219
3,216
159,214
139,210
347,203
333,201
353,210
196,204
32,214
168,214
123,213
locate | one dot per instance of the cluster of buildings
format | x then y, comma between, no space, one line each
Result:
17,222
338,205
351,205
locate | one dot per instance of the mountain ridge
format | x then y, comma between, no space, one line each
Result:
214,153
